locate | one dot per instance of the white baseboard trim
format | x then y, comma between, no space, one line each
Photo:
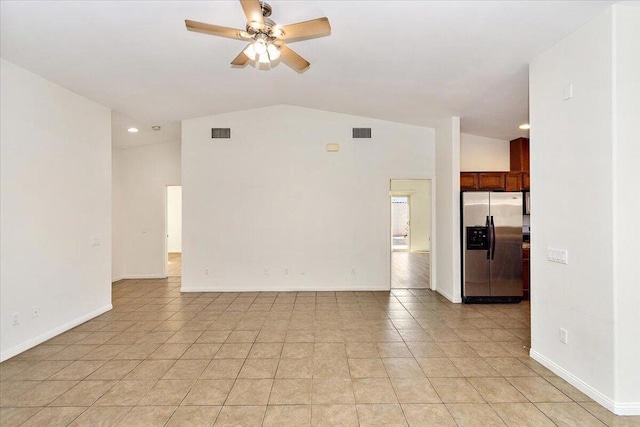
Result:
7,354
627,409
448,296
116,279
286,289
617,408
143,276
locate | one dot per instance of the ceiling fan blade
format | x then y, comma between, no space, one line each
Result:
241,59
292,59
216,30
252,10
306,30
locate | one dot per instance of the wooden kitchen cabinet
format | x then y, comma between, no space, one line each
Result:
468,180
519,155
492,180
514,181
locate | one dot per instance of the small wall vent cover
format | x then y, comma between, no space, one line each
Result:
361,132
221,133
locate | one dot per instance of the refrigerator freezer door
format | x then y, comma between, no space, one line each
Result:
476,275
506,264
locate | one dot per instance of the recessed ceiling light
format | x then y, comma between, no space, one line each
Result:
132,130
525,126
156,128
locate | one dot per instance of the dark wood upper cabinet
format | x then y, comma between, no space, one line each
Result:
491,180
468,181
514,181
519,158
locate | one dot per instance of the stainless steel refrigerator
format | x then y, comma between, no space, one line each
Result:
491,247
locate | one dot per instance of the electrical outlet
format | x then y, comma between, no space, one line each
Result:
564,336
14,319
206,271
35,311
286,271
266,271
353,271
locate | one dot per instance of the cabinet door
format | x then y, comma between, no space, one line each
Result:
519,154
492,180
468,181
514,181
525,181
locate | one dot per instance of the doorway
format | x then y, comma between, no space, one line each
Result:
400,223
174,231
411,217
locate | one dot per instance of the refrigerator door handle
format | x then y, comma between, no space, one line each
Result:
489,238
493,238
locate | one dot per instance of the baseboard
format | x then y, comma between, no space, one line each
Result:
617,408
143,276
627,409
117,279
448,296
287,289
52,333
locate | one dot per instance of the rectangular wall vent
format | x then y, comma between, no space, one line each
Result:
221,133
361,132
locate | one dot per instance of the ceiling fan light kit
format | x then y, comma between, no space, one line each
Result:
266,38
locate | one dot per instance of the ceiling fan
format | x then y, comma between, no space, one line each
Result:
266,38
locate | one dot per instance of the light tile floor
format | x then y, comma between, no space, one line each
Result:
406,357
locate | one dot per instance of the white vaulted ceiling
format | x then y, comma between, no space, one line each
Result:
405,61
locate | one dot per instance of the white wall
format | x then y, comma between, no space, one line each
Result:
478,154
448,209
272,198
626,202
420,192
55,198
174,219
584,158
146,172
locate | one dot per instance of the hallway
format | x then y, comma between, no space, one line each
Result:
175,264
410,270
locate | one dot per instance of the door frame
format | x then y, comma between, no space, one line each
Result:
432,247
165,241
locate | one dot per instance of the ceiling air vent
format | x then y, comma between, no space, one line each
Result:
221,133
361,132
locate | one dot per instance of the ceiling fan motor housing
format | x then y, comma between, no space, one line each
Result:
267,29
266,9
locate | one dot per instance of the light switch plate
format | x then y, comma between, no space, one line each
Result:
558,255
